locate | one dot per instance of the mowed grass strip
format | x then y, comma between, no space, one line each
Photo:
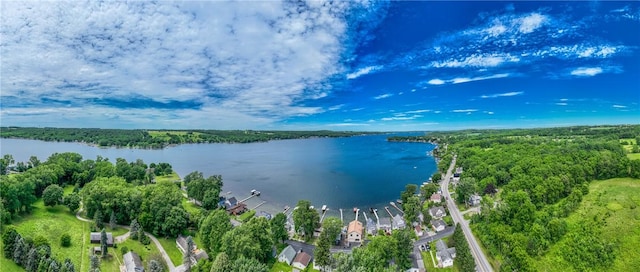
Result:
169,245
618,201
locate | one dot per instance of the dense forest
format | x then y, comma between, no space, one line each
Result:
531,181
137,138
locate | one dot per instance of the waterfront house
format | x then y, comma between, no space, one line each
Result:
436,198
398,222
234,207
287,255
354,231
385,224
474,200
437,212
372,228
444,255
132,262
96,238
438,225
301,261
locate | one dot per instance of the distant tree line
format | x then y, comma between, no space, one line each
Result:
137,138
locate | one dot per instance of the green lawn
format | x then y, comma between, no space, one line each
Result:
428,262
51,223
144,251
617,200
633,156
171,177
170,247
280,267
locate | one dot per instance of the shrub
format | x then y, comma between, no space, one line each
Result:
65,240
124,250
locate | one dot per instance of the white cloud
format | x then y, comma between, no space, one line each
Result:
477,60
417,111
363,71
561,104
531,22
465,111
466,79
336,107
502,95
436,81
257,60
619,106
586,71
401,118
383,96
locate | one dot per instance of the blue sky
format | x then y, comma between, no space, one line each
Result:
347,65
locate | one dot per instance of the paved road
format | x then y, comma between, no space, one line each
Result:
428,239
482,264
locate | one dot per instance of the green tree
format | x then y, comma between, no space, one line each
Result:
155,266
244,264
409,190
68,266
103,243
305,219
9,238
188,255
112,220
465,189
65,240
252,240
5,162
278,228
72,201
436,177
221,263
404,244
52,195
212,228
95,263
97,219
134,227
412,209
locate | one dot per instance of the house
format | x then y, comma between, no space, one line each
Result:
132,262
96,238
437,212
438,225
418,230
287,255
474,200
198,254
385,224
444,255
436,198
398,222
301,261
372,228
354,231
234,207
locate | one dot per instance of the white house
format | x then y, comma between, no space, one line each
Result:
398,222
444,255
438,225
474,200
287,255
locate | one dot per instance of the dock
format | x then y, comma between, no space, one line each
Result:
324,212
341,218
397,208
388,211
357,212
375,212
249,197
258,206
365,216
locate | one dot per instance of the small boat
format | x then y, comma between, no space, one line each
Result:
371,209
255,192
324,208
286,208
355,209
399,201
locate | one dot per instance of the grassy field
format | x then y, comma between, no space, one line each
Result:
170,247
629,148
51,223
617,200
633,156
173,177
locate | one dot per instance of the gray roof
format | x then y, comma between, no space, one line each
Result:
132,262
437,223
444,253
435,210
398,221
288,253
96,237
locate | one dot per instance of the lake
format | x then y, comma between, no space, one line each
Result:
361,171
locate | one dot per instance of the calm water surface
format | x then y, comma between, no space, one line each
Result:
360,171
